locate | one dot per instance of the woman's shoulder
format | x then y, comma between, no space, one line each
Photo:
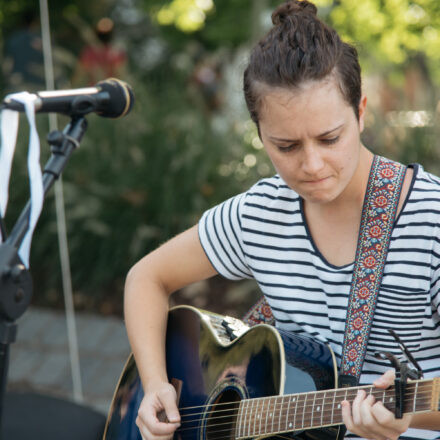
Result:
272,187
424,196
425,182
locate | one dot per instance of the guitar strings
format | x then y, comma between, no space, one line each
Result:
232,427
276,420
375,392
232,430
304,426
214,434
410,388
233,424
280,415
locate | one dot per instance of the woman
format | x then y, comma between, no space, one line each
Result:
296,233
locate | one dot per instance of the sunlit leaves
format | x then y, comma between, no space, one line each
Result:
186,15
391,30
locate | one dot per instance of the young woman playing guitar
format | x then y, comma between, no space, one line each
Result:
296,233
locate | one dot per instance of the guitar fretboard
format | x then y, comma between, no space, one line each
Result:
278,414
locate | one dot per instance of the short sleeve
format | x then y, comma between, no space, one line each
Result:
220,235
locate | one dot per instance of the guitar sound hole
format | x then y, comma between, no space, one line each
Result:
221,421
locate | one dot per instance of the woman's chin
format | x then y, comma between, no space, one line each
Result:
319,197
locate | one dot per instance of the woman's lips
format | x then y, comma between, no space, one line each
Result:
315,181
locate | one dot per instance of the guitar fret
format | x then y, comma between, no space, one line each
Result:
240,418
248,419
257,415
249,423
266,428
323,408
280,414
304,410
273,407
341,398
414,397
252,418
273,413
296,408
312,423
243,419
261,413
288,413
333,406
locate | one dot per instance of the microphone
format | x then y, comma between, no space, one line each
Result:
111,98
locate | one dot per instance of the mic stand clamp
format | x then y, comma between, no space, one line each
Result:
15,288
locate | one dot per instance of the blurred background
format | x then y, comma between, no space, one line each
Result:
188,142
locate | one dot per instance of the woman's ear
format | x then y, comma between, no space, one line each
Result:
362,108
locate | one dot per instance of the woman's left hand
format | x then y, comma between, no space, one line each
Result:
370,419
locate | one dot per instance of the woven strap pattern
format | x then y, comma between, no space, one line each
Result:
259,313
378,215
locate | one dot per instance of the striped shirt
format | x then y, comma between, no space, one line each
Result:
262,234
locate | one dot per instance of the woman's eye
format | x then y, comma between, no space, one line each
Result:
330,141
287,148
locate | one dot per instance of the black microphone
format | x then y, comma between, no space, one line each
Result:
111,98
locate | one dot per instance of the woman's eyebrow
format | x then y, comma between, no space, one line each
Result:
330,131
274,138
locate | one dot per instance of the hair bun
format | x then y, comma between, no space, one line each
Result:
290,8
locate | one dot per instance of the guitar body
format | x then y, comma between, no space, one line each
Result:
213,373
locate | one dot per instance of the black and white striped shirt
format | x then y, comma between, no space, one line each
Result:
262,234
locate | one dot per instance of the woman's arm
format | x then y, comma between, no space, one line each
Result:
149,284
426,421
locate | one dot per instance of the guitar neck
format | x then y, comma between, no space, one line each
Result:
294,412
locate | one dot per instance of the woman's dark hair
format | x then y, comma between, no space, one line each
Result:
300,48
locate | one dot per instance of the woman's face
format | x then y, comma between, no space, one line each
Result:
312,137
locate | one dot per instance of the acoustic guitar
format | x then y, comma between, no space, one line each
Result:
236,382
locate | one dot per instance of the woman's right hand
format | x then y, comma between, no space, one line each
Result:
158,415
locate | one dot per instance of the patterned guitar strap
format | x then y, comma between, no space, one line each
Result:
378,216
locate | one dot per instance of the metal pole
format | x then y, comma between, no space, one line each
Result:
61,219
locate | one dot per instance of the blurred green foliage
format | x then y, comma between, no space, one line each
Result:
188,143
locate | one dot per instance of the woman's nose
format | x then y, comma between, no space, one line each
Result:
312,161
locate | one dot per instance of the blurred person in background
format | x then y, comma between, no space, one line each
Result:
100,59
23,65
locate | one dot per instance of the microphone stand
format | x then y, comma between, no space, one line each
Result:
15,279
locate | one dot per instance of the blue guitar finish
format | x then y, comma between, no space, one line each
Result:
214,374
